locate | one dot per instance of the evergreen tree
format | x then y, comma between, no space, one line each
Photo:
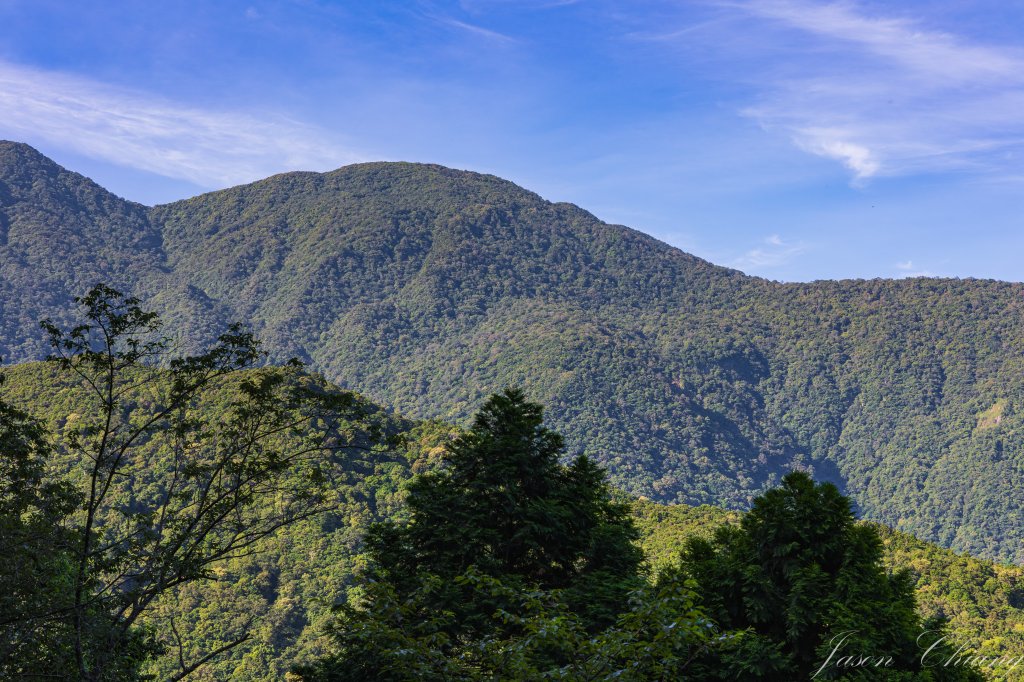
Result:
504,504
504,509
402,640
803,584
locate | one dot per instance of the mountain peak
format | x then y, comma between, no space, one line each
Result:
20,162
28,175
11,146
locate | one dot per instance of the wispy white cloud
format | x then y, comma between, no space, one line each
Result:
938,56
138,130
832,144
661,34
478,31
885,95
908,269
771,253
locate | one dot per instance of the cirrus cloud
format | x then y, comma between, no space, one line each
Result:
138,130
773,252
885,95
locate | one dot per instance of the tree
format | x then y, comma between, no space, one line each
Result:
803,585
501,507
35,552
503,503
183,463
402,640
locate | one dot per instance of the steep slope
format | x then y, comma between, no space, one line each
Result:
434,287
429,288
59,234
305,254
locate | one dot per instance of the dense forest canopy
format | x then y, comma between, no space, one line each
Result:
283,595
427,288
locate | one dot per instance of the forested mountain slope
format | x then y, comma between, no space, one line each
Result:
281,591
429,288
282,594
59,230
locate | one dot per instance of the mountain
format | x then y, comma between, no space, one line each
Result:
428,288
59,230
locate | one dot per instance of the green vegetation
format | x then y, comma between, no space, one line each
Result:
172,473
35,552
981,601
283,595
499,529
501,502
806,587
428,287
793,592
541,638
280,595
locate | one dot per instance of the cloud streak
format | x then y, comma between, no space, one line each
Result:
138,130
885,96
773,252
475,30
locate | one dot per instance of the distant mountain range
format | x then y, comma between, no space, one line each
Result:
428,288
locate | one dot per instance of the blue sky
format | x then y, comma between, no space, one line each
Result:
791,139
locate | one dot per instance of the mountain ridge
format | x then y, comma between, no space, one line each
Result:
429,288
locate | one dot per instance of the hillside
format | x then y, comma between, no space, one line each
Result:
982,601
281,593
429,288
284,593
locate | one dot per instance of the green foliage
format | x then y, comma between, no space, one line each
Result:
430,286
807,585
791,592
687,382
220,486
665,528
500,507
502,502
35,553
655,638
282,595
981,601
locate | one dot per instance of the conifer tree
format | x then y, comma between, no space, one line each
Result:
804,584
504,504
501,508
